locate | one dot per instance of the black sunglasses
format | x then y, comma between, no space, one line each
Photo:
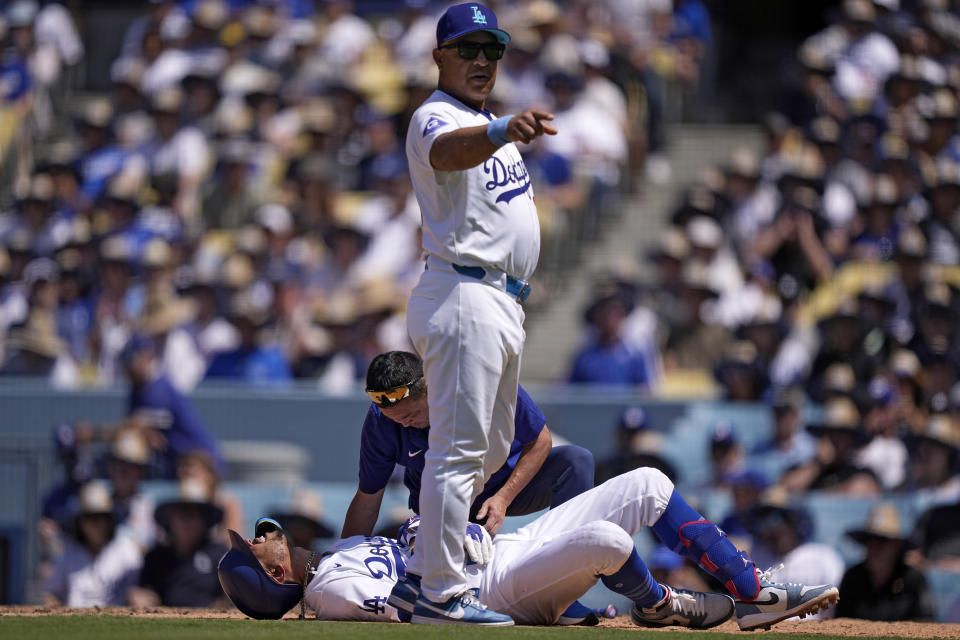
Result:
469,50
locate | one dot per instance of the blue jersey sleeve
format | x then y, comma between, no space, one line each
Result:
378,451
529,420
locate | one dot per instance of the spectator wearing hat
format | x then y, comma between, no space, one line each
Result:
936,538
753,202
230,198
935,341
606,358
179,150
707,244
209,329
182,570
199,467
251,362
59,504
863,56
101,562
943,195
840,435
591,140
635,445
128,463
790,242
114,305
883,586
74,310
35,348
698,340
746,489
726,454
846,339
934,457
100,159
885,453
165,315
156,404
741,374
789,444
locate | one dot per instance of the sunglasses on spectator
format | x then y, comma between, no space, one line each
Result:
392,396
469,50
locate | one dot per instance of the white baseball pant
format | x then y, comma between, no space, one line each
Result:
470,336
537,572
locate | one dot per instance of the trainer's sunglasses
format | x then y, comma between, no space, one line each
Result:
392,396
469,50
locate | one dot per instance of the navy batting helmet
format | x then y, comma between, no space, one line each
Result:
250,588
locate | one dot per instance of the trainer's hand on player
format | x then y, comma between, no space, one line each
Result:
494,509
530,124
478,544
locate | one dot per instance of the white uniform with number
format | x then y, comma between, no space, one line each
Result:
469,332
536,573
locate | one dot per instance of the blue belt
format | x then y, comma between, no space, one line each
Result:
517,288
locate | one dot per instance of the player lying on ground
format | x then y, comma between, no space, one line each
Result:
532,574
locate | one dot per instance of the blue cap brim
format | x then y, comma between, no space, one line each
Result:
248,585
502,36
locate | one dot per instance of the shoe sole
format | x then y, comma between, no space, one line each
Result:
822,602
456,621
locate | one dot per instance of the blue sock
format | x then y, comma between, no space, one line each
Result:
688,533
634,581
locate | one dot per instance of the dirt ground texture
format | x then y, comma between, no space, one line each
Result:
839,627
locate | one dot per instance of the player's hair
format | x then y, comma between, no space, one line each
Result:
395,368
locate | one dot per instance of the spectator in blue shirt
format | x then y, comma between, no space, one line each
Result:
250,362
156,404
607,358
534,477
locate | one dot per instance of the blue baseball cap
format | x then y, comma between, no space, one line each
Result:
461,19
248,585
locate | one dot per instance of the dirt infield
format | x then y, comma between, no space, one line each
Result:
847,627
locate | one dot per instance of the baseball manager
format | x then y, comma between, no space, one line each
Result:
481,237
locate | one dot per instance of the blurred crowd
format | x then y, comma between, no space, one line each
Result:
825,264
241,197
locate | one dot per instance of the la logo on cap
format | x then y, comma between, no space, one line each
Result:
478,17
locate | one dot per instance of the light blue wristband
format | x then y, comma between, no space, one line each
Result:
497,131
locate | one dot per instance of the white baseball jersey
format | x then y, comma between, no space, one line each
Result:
484,216
354,579
535,574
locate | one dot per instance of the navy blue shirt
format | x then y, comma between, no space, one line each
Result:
186,431
385,443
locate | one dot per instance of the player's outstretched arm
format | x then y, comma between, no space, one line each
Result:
467,147
362,514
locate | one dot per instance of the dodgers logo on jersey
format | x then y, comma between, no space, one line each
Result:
502,175
433,122
478,17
